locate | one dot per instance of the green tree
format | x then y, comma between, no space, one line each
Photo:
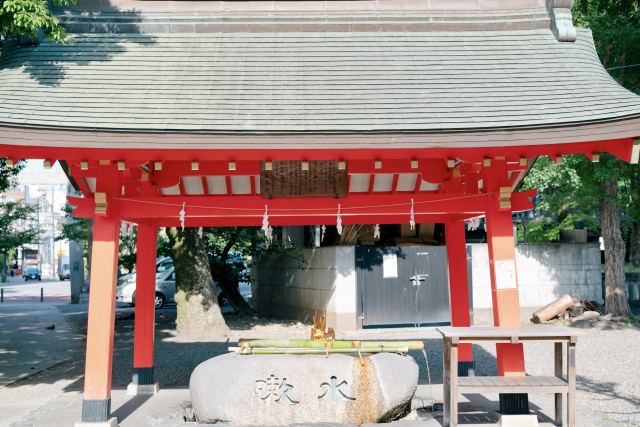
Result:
578,189
15,230
244,242
201,256
199,317
28,17
9,176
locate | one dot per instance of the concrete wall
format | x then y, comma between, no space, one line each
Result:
633,285
329,281
546,271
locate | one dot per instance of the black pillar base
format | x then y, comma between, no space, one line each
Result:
142,376
96,411
514,404
467,369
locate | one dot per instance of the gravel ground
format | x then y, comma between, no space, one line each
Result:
608,362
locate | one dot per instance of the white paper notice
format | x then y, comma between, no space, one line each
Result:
389,265
506,274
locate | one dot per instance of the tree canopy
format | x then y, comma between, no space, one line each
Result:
27,17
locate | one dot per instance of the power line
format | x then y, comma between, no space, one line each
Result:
626,66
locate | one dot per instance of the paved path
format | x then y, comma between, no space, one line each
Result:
53,397
26,346
19,290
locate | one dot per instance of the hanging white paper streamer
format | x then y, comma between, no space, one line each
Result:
413,220
126,228
339,226
200,232
376,231
323,230
182,213
474,223
268,231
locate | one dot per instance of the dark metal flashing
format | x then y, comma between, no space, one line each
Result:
467,369
96,411
143,376
514,404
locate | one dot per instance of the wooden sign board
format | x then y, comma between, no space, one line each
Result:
287,179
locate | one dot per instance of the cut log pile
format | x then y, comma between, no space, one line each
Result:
566,308
580,314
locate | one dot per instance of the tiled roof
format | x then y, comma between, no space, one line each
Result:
310,82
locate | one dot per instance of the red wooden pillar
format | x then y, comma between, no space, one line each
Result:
145,311
459,290
504,285
96,406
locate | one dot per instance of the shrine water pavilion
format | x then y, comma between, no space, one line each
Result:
423,110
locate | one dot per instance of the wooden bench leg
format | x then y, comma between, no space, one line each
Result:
446,374
558,373
453,397
571,379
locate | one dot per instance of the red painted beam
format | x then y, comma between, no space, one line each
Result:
228,181
252,179
205,186
248,206
372,182
618,147
84,186
182,190
291,221
416,190
394,185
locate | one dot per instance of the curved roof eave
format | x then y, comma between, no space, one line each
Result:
436,89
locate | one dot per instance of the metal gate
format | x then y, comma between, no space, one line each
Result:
404,286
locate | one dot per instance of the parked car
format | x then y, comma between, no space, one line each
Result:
165,289
32,273
162,265
17,271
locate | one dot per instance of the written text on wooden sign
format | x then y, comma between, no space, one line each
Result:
287,179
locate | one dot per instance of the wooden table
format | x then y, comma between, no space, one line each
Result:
452,384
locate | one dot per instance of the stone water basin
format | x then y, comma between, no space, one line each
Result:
259,390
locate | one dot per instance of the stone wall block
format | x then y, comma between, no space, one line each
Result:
345,257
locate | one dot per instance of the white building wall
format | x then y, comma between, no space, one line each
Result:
329,281
546,271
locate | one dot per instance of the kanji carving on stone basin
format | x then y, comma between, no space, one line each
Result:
274,390
336,393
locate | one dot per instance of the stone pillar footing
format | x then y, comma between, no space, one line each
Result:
514,403
134,389
113,422
520,420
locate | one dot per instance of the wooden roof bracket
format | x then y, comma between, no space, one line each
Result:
562,21
102,204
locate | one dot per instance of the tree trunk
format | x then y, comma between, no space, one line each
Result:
634,244
616,301
229,287
199,317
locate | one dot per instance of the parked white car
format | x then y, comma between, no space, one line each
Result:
166,289
162,265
